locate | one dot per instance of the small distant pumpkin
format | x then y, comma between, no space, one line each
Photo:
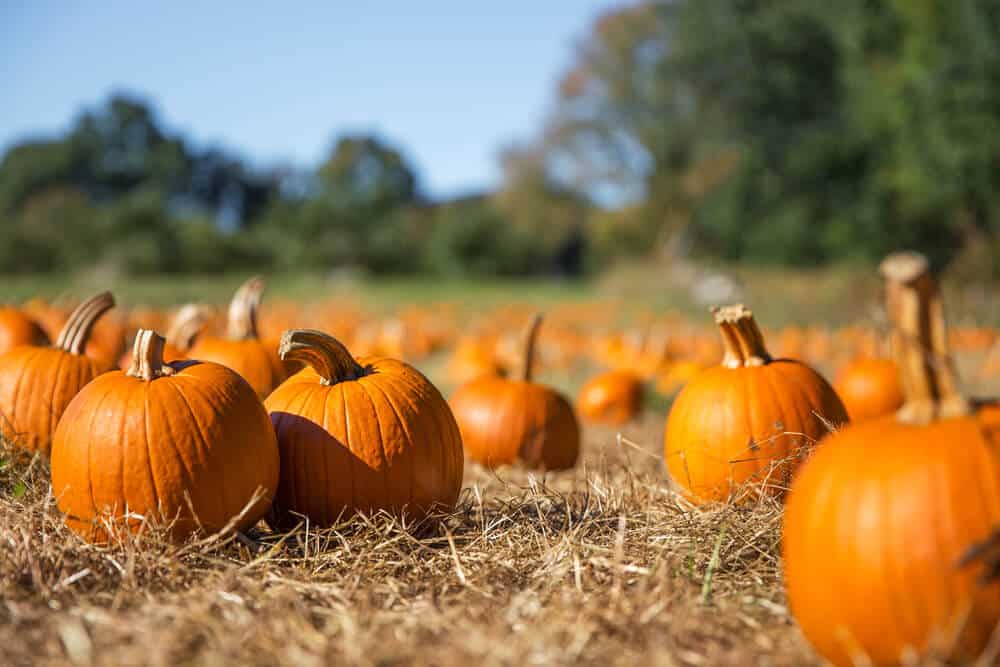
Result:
507,420
242,349
17,328
869,388
881,521
38,382
613,397
359,435
741,428
187,444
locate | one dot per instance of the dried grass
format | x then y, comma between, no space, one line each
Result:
605,565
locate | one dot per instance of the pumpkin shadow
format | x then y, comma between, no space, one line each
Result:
320,448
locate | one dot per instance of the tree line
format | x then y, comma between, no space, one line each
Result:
746,130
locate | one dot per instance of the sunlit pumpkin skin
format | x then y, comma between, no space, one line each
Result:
242,349
879,519
613,397
37,383
740,429
360,435
186,444
507,420
869,388
16,329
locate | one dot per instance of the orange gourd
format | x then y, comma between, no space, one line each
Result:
16,329
613,397
869,388
505,420
879,519
359,435
188,444
37,383
740,429
242,348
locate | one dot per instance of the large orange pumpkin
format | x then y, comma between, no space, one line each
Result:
869,388
504,420
613,397
16,328
359,435
37,383
186,444
878,520
242,348
740,429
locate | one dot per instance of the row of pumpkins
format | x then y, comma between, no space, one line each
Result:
879,521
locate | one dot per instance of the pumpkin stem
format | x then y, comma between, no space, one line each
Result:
242,324
76,332
530,342
147,357
186,325
327,355
919,341
742,342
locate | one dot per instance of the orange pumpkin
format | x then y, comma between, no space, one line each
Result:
503,420
879,519
16,328
359,435
869,388
739,429
242,348
37,383
188,444
613,397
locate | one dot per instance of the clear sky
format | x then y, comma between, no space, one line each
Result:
449,81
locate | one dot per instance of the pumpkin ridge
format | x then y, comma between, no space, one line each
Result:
202,448
350,450
413,384
419,438
405,431
90,450
325,392
24,369
793,445
381,443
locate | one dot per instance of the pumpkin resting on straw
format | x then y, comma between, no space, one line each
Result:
879,519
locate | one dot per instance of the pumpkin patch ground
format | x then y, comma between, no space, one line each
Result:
607,562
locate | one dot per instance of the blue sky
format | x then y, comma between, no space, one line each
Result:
450,82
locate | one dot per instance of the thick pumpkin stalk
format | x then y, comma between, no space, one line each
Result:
327,355
76,332
920,341
147,357
242,323
187,324
530,343
742,342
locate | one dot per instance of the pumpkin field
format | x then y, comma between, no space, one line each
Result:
552,523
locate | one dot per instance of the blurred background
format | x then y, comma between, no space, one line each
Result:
672,153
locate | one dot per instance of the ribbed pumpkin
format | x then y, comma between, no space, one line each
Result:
16,329
242,348
740,429
505,420
187,444
613,397
37,383
869,388
880,517
359,435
